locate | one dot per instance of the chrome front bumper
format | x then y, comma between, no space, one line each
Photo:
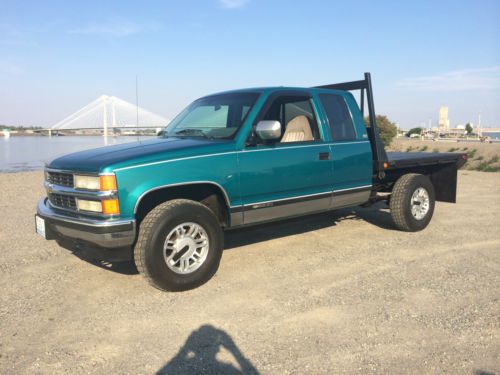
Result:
111,233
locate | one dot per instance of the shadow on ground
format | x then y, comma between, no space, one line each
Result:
198,355
120,261
377,215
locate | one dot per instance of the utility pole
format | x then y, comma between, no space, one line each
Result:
137,106
105,115
137,102
479,132
113,112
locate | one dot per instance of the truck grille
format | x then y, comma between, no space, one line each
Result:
62,201
59,178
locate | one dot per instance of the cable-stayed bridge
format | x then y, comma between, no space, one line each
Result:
108,113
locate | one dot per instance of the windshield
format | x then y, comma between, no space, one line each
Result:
218,116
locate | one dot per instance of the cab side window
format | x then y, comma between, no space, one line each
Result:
339,117
296,115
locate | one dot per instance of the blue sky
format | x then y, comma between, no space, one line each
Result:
56,56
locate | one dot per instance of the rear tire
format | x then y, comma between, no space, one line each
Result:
179,246
412,202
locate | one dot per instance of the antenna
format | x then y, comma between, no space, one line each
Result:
479,132
137,106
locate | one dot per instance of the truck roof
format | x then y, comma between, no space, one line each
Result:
269,89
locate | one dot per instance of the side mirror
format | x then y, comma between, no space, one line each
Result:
268,130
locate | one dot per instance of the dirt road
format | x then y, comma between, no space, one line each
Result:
337,293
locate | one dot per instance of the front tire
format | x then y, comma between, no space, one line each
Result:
179,246
412,202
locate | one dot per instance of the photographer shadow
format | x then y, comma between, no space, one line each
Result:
198,355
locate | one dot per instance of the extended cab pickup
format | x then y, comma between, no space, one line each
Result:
233,159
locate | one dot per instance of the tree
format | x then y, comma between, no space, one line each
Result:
468,128
387,129
414,131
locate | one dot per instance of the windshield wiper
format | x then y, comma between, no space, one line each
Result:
193,132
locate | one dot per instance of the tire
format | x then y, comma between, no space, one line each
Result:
402,202
169,220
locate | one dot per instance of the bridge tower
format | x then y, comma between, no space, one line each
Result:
108,112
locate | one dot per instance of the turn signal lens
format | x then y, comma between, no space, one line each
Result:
108,182
111,207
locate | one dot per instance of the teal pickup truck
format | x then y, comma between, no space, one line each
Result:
234,159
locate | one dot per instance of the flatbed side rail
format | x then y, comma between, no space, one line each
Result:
379,155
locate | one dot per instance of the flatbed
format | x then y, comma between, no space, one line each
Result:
419,159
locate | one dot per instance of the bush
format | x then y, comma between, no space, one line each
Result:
471,153
387,129
414,131
487,165
491,168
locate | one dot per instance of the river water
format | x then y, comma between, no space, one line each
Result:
492,135
28,153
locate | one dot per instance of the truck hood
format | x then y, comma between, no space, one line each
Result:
95,160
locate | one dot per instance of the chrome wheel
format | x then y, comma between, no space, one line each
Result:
186,248
420,203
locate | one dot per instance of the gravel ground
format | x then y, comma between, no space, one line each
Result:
336,293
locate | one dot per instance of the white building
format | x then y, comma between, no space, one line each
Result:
444,121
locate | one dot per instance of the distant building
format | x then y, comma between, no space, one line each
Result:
444,121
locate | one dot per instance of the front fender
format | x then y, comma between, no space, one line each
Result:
136,181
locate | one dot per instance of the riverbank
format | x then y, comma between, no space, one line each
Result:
483,157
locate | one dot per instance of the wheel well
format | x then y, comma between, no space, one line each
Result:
205,193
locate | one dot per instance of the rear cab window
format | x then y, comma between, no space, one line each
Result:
339,117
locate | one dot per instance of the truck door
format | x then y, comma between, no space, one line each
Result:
293,175
350,150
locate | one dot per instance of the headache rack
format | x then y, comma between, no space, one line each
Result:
379,155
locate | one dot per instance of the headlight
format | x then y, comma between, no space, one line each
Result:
94,206
87,182
104,182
